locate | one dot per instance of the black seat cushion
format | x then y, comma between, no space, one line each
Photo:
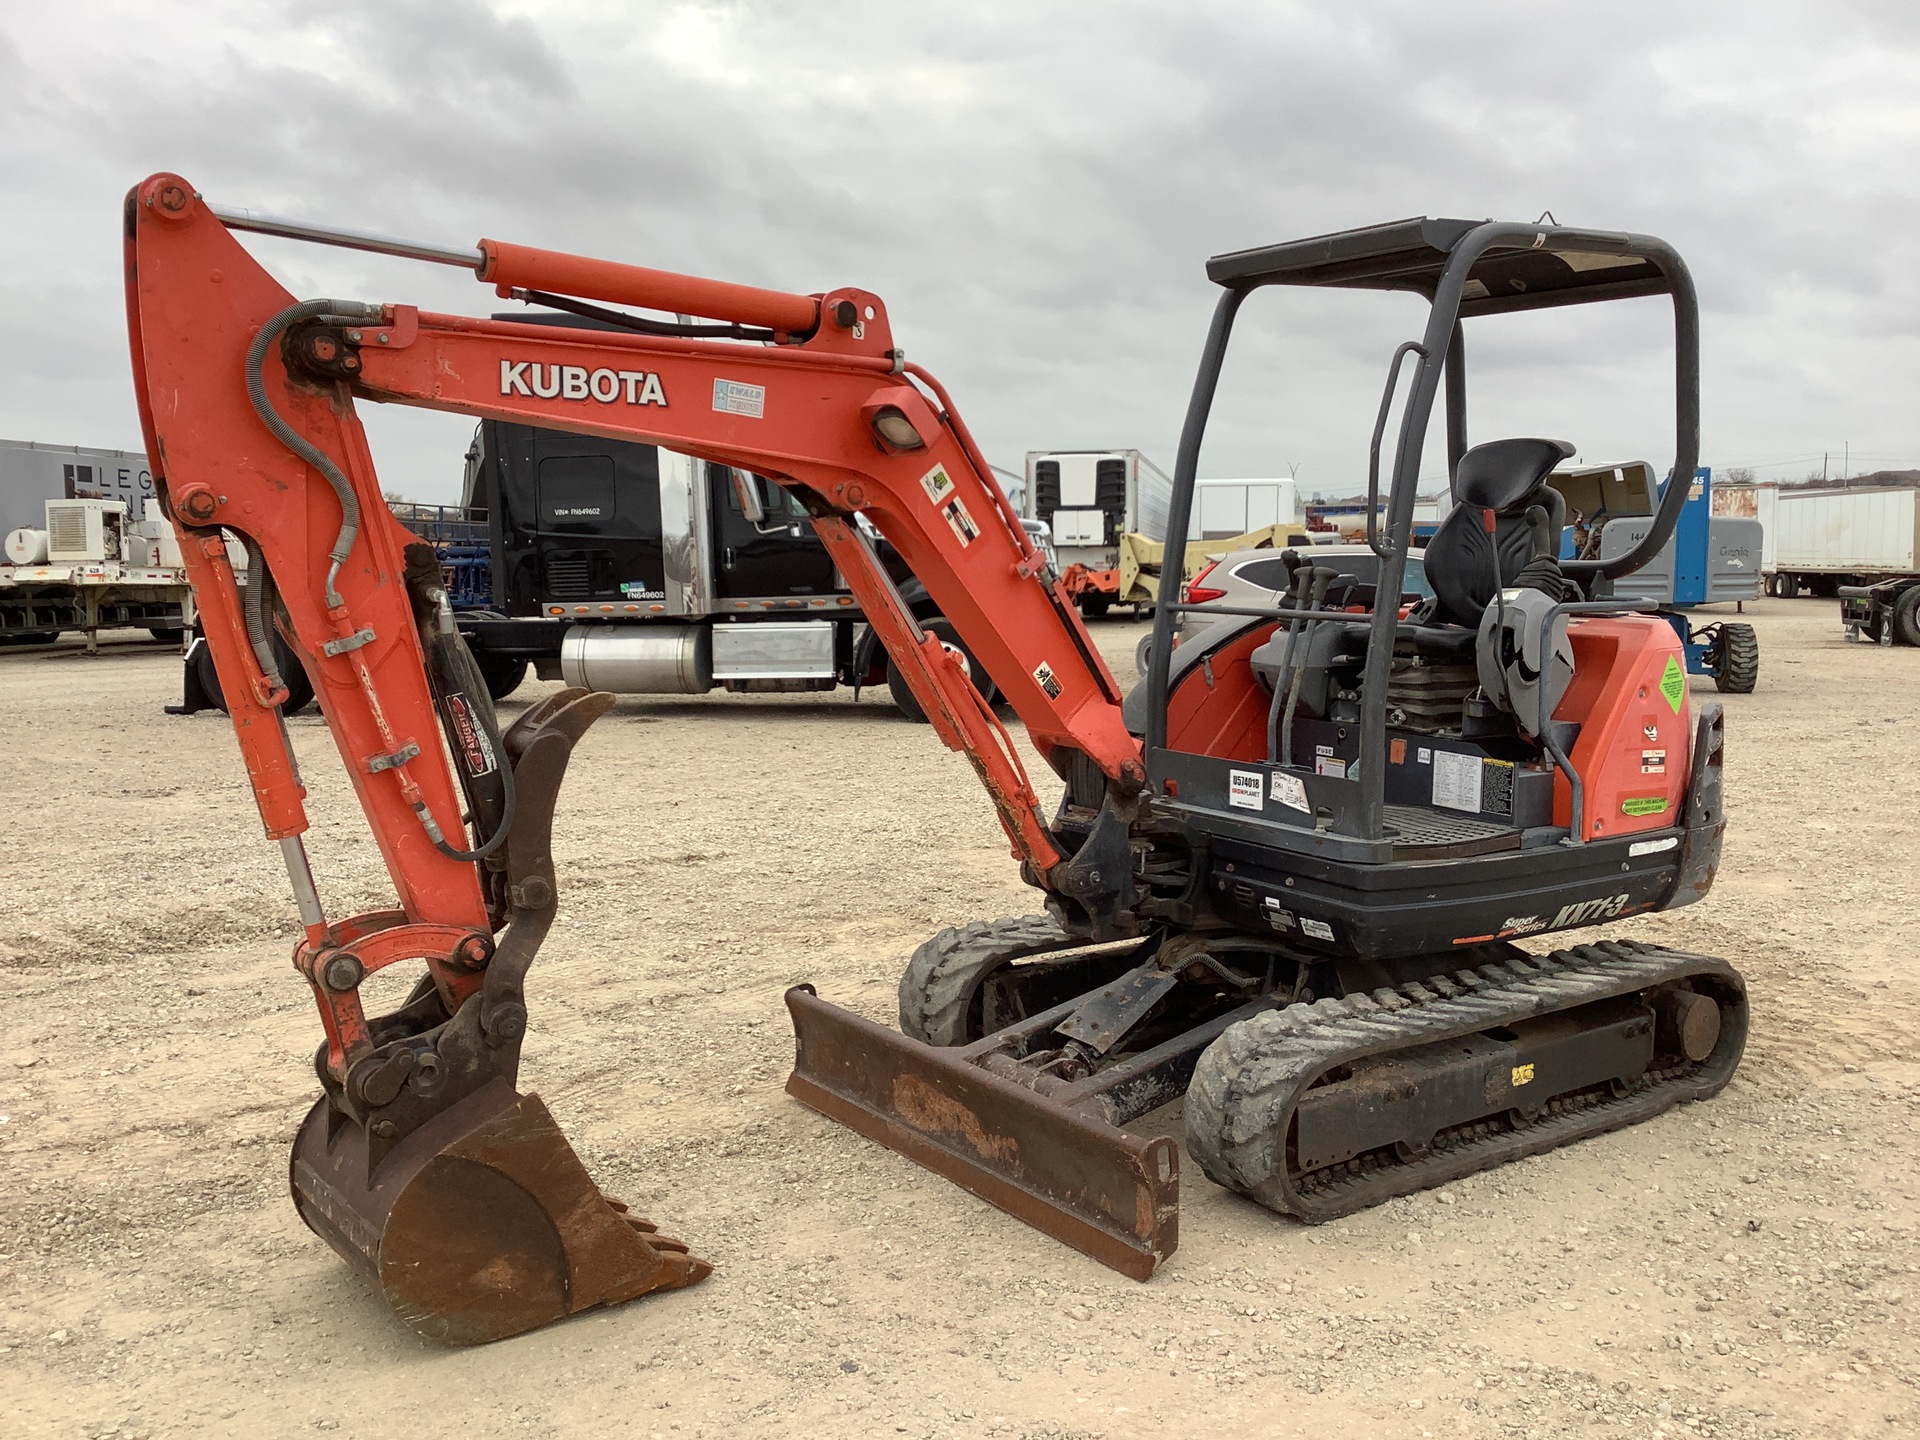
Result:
1507,477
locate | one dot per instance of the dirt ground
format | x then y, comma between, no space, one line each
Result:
1747,1267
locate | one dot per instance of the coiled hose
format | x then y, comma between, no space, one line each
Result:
353,310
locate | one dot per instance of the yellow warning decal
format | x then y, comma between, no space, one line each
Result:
1522,1075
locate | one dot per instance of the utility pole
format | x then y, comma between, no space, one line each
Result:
1846,461
1823,467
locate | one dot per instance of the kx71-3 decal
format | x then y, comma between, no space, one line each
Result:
576,382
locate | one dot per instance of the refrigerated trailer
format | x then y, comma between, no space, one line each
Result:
1091,499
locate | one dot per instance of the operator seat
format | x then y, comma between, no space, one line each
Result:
1506,478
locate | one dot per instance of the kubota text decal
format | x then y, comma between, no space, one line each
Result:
576,382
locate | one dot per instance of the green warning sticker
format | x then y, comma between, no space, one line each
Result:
1644,804
1673,685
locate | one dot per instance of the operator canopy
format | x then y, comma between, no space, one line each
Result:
1411,254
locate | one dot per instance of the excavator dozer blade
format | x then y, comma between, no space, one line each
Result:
1109,1194
482,1223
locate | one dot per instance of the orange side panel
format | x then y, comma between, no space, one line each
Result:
1635,742
1218,708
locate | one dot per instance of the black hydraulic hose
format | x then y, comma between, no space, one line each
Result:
293,439
460,674
255,607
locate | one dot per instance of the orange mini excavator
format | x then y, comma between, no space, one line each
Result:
1285,877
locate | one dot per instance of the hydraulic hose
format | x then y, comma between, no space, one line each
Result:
293,439
255,607
451,666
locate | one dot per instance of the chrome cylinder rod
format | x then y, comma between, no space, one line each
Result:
236,218
305,894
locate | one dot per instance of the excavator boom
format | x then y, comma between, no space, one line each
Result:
422,1163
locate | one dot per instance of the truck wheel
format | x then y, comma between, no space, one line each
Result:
299,687
168,634
1094,607
1906,616
29,637
504,674
1785,587
1739,668
948,637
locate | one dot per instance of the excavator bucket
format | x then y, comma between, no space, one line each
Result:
460,1197
481,1224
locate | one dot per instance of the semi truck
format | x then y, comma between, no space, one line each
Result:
633,569
1090,500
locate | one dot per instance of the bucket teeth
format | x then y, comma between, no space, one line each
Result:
483,1223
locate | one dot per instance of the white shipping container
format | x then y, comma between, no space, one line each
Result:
1224,508
1848,532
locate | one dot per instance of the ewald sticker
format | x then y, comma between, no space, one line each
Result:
736,397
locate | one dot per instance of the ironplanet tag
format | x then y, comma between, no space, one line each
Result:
576,382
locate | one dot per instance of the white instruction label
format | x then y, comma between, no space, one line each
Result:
1291,790
736,397
1327,765
1652,847
1456,781
1318,929
1245,789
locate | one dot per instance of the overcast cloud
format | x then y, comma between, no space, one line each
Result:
1033,187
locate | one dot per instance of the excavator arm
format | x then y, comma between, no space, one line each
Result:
422,1163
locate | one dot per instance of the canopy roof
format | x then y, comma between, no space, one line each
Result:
1550,265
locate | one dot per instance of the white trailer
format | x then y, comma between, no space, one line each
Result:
92,567
32,474
1225,508
1090,499
1859,543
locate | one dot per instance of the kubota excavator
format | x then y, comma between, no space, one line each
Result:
1286,875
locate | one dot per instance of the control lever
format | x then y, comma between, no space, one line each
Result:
1323,577
1299,578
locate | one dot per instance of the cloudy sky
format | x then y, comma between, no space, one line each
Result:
1034,188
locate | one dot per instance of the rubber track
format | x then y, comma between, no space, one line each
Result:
1241,1101
937,989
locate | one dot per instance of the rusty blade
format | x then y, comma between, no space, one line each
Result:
481,1224
1109,1194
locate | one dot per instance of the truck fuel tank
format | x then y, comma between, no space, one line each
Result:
639,659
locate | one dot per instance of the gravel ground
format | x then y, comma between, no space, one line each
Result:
1743,1268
